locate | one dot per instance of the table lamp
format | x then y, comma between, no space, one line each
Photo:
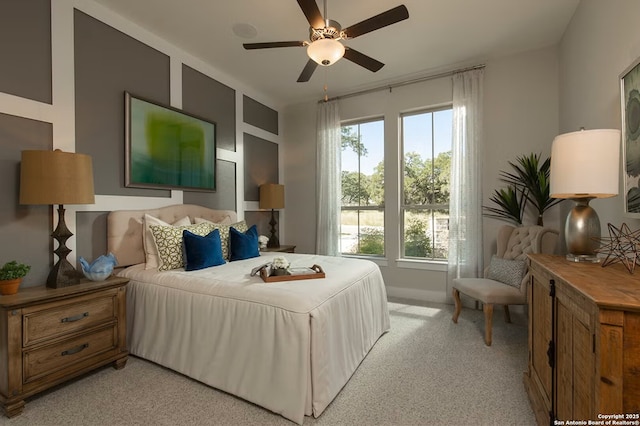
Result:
272,197
57,177
584,166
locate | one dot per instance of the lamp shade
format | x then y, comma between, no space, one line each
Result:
271,196
56,177
325,51
585,164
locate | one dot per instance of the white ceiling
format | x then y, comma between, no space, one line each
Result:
439,35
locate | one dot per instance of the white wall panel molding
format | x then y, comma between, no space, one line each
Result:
26,108
120,202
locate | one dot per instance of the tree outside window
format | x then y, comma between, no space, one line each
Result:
362,176
426,169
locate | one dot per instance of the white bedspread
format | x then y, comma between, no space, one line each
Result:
287,346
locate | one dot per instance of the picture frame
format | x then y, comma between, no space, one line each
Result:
630,113
166,148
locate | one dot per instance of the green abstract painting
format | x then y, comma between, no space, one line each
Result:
167,148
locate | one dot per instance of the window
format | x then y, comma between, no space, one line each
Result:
426,171
362,174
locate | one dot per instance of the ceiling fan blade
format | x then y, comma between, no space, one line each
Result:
391,16
311,11
308,70
269,45
363,60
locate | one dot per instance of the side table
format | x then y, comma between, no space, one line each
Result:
281,249
48,336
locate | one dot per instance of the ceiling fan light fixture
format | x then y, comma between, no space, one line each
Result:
325,51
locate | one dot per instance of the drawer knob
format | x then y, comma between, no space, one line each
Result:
75,350
75,317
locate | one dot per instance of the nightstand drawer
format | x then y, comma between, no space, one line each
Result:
68,353
62,319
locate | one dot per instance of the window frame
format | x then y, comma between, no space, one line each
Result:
407,207
381,207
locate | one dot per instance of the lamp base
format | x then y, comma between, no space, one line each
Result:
63,273
586,258
273,238
581,231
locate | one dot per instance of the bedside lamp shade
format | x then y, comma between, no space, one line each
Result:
56,177
584,166
272,197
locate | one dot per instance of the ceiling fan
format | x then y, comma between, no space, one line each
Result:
325,48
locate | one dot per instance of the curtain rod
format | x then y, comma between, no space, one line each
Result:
403,83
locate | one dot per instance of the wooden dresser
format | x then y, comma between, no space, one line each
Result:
584,340
51,335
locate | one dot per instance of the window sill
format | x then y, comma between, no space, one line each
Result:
428,265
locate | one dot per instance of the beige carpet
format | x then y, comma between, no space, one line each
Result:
425,371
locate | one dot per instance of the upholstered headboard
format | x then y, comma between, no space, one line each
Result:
125,227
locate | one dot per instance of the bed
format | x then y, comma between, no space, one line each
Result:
289,347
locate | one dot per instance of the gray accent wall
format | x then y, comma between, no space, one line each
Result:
213,101
108,63
225,196
259,115
261,220
93,224
25,231
260,165
25,49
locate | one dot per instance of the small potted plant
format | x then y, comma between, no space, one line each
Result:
11,276
280,266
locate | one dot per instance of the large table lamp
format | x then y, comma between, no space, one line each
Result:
272,197
57,177
584,166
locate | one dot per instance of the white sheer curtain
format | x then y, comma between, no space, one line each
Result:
328,179
465,207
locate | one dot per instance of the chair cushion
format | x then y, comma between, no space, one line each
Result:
507,271
490,291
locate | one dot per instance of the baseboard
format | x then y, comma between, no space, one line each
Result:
417,294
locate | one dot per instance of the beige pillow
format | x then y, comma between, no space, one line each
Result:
224,232
150,248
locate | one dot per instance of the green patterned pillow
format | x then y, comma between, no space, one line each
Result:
224,233
169,242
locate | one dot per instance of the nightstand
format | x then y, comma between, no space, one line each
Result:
282,249
48,336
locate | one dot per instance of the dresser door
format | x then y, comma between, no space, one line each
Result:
540,317
575,369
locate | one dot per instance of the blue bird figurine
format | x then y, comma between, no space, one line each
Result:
100,269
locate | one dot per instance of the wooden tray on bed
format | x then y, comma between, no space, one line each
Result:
319,273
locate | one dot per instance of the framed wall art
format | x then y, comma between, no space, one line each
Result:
630,111
168,148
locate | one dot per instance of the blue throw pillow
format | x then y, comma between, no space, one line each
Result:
243,245
202,252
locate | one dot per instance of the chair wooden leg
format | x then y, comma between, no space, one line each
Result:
488,322
456,299
507,315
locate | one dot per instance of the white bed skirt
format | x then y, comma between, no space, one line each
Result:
288,346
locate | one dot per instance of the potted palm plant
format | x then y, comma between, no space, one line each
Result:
528,184
11,275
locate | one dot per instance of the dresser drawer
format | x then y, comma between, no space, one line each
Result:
62,319
68,353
